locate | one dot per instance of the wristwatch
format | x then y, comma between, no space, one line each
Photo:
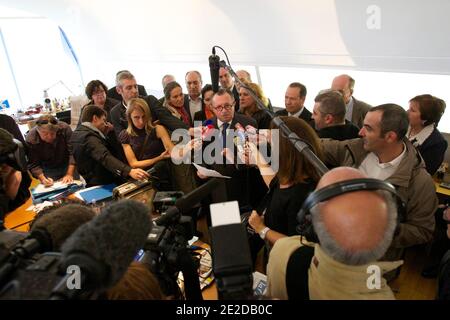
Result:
263,232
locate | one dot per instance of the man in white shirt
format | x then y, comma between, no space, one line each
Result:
194,86
384,153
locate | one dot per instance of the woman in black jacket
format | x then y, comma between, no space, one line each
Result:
424,114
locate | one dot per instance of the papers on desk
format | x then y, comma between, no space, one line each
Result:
209,173
58,185
55,192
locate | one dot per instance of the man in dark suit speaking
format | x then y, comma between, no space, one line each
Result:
226,163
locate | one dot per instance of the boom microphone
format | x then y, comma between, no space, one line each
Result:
60,223
104,247
186,202
47,234
214,66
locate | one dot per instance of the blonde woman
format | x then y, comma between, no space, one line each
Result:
249,107
144,144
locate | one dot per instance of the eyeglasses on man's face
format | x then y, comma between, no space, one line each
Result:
227,107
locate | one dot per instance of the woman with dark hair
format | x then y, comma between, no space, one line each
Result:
174,101
424,113
96,93
249,107
276,217
206,112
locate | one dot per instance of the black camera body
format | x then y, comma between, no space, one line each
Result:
163,249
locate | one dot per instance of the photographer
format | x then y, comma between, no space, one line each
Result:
14,180
354,230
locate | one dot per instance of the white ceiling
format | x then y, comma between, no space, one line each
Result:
411,37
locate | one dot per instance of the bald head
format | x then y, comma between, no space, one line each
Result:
355,222
344,84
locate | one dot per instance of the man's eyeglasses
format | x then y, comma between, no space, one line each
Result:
46,121
225,106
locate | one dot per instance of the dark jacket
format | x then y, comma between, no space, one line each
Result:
237,188
96,158
112,93
119,119
433,150
262,119
340,132
360,109
305,115
109,104
50,155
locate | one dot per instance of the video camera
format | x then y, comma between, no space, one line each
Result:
14,155
25,273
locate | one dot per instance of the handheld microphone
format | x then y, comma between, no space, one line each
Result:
240,138
104,247
186,202
214,66
251,130
207,130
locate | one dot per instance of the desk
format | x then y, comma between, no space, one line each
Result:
20,218
440,190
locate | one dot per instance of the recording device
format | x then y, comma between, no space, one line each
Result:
102,248
214,66
305,227
186,202
208,130
138,190
47,234
165,199
240,138
166,249
232,263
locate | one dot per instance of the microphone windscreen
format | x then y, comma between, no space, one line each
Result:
208,122
109,242
61,223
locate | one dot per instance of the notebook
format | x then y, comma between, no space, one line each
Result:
97,193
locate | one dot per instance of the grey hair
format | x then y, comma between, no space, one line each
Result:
123,75
333,249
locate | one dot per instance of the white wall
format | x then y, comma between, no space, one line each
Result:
285,38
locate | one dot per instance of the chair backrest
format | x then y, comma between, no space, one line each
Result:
76,103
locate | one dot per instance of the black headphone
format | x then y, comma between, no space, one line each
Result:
305,227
